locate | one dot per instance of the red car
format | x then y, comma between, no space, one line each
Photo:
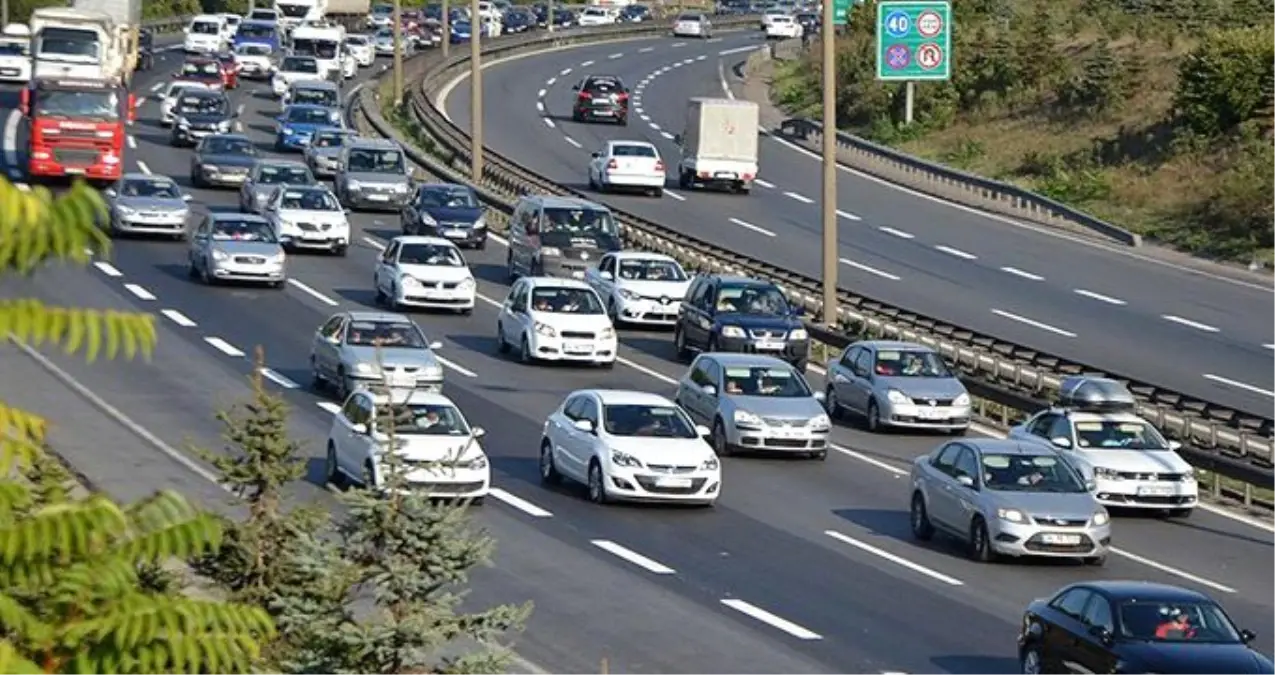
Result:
207,71
229,70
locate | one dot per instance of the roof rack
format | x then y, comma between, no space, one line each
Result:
1087,393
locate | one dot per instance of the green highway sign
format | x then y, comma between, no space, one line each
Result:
841,12
914,40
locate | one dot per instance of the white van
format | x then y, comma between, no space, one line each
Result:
15,53
206,34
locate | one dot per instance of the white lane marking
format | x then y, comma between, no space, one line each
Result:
223,346
645,118
239,110
1033,323
616,56
738,50
847,215
157,86
1020,273
1271,347
638,109
632,556
178,318
667,136
519,503
279,379
540,94
721,79
1189,323
548,122
897,233
799,632
655,126
869,270
586,64
687,62
956,252
549,82
674,195
763,183
701,57
540,107
140,101
140,292
572,141
1232,383
142,165
565,71
903,562
750,226
132,142
329,406
646,50
108,269
712,40
374,243
801,198
1172,570
679,44
312,293
456,366
1099,297
865,458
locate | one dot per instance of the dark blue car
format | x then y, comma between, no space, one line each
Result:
460,32
258,32
297,124
446,210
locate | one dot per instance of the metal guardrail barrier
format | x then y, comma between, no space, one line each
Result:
1016,377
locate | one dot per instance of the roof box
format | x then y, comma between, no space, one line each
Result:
1095,394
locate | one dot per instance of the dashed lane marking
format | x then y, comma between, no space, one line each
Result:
586,64
955,252
1020,273
646,50
795,630
456,366
632,556
565,71
896,233
1172,570
224,347
540,107
1240,385
139,291
132,142
549,82
142,165
156,87
1033,323
541,93
655,126
108,269
679,44
1190,324
312,293
674,195
898,560
667,136
177,318
279,379
749,226
519,503
847,215
572,141
645,118
701,57
1099,297
763,183
738,50
616,56
870,270
801,198
548,122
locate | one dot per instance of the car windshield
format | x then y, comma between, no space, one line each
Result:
294,11
205,28
152,188
309,116
243,230
600,85
285,175
324,97
365,160
1029,473
423,419
263,15
329,139
320,49
578,222
253,49
68,42
645,269
910,363
1156,621
228,146
689,17
564,300
382,10
389,334
442,255
356,40
767,381
385,34
633,150
752,299
203,105
256,30
101,105
15,48
658,421
299,64
448,197
1119,435
309,200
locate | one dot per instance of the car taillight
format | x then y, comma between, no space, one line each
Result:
584,95
659,166
612,165
622,98
748,176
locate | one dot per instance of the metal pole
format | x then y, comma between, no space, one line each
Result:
909,97
830,258
548,24
4,13
447,28
475,93
398,53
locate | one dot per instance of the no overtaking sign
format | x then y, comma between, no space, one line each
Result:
914,40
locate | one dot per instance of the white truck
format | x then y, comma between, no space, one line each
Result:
293,13
719,145
15,53
77,43
127,15
325,42
348,7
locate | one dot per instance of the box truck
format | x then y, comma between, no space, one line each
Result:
719,145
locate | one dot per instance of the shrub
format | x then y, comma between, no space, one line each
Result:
1221,82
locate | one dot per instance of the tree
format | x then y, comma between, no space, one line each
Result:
1222,82
71,599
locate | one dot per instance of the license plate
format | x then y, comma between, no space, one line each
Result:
8,71
73,170
455,234
1155,491
577,275
578,348
769,345
725,174
931,413
378,198
397,380
671,482
602,101
313,237
1061,539
782,432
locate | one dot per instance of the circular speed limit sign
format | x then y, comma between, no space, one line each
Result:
929,24
929,56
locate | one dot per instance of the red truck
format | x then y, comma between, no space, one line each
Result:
77,128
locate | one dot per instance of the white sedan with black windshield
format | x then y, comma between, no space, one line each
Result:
627,165
427,272
309,217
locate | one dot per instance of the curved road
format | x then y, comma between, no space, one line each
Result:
802,567
1207,334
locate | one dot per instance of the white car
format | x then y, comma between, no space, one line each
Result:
15,54
295,69
168,102
1130,463
361,47
206,34
783,27
551,319
692,25
629,446
595,16
231,24
630,165
770,14
308,217
427,272
441,455
639,287
349,64
254,60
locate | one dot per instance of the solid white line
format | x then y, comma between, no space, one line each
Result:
737,50
956,252
847,215
645,50
646,371
904,562
178,318
279,379
801,198
898,233
540,107
142,165
540,94
548,122
1033,323
139,291
1248,387
1099,297
157,86
456,367
865,458
108,269
1271,347
674,195
1019,273
632,556
586,64
799,632
132,142
667,135
752,227
374,243
1189,323
1172,570
329,406
223,346
572,141
615,56
763,183
565,71
701,57
869,270
519,503
312,293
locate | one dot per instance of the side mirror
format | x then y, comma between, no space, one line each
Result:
436,345
584,425
359,429
703,431
1103,635
1175,446
595,155
709,390
109,192
965,480
1091,485
677,139
821,397
478,432
606,275
1061,441
349,211
186,197
1247,636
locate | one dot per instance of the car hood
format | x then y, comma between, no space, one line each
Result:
204,118
1048,505
673,290
923,387
227,160
1194,657
306,127
376,178
299,216
759,321
663,451
151,204
422,448
324,152
263,189
583,247
770,406
465,215
436,272
232,247
391,356
1139,461
581,322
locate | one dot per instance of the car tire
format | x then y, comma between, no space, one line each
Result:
658,193
819,455
919,517
597,485
1030,660
872,419
501,345
343,385
524,352
331,473
679,345
961,431
684,179
465,311
368,479
192,272
831,404
607,365
613,314
317,382
593,185
980,545
721,443
712,344
204,275
341,251
196,180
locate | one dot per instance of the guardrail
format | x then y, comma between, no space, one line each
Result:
1018,378
173,24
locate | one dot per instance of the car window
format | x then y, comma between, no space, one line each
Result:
633,150
699,373
421,419
1040,425
753,299
945,459
351,409
910,363
1061,426
607,264
243,230
565,300
1029,473
650,269
765,381
444,255
284,175
153,188
366,411
966,465
1072,603
447,197
311,116
384,333
660,421
222,145
589,410
849,355
863,362
571,410
332,327
1098,613
1155,621
1119,434
309,200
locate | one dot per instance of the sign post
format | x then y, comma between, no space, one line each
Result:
914,43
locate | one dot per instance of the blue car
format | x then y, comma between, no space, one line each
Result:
258,32
296,126
460,32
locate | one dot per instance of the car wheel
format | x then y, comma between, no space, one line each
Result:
831,403
341,251
960,431
191,271
343,384
548,470
204,275
819,455
369,476
593,185
679,344
1030,661
524,351
980,545
658,193
509,265
613,313
873,418
501,345
317,382
379,297
465,311
712,344
597,484
721,444
922,528
331,471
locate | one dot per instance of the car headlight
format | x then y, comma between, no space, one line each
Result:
433,373
1101,518
743,418
219,255
799,334
466,284
125,211
365,368
550,251
821,422
480,224
607,334
1103,472
732,332
897,397
427,219
1189,474
629,295
1011,515
183,124
962,400
411,281
278,258
479,462
354,185
621,458
288,131
546,330
400,187
223,126
710,464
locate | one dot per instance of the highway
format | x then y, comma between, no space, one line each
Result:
1204,333
802,566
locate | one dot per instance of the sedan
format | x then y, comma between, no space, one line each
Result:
222,160
447,210
427,272
324,150
692,25
168,101
352,349
206,71
145,204
627,165
897,384
601,97
236,247
298,123
629,446
754,403
254,60
199,114
1006,498
639,287
266,176
308,217
548,319
782,28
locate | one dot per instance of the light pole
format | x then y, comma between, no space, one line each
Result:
398,53
830,259
475,93
447,28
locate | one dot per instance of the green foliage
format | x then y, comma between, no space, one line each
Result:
1098,85
1221,82
1234,220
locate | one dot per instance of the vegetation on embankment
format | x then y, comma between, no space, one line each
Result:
1152,114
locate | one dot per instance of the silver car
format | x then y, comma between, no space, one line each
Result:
373,174
897,384
374,348
146,204
324,151
236,247
754,402
1006,497
268,175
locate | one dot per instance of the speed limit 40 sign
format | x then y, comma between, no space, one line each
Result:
914,40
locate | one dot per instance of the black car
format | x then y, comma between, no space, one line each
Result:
199,113
518,21
737,314
810,23
601,97
1133,627
446,210
145,49
563,18
635,14
222,160
733,8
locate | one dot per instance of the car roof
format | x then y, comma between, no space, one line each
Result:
893,344
239,216
736,280
739,360
258,22
377,317
449,186
422,239
557,282
1006,446
138,175
645,255
557,202
315,84
1143,590
307,106
601,76
626,397
643,144
365,143
276,161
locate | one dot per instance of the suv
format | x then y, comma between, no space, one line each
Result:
737,314
373,173
313,92
559,236
601,97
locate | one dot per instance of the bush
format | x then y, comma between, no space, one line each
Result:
1221,81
